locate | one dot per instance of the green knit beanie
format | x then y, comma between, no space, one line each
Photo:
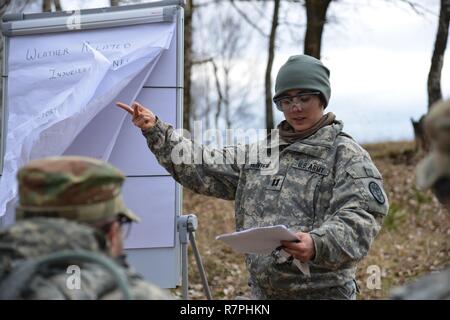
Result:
303,72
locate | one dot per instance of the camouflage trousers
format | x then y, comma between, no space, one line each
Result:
347,291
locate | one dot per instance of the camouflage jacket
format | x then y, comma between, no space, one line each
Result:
37,237
326,185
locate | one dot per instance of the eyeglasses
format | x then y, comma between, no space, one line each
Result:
125,224
302,99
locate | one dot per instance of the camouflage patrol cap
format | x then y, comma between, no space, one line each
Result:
437,164
77,188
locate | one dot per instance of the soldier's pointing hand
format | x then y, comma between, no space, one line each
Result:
142,117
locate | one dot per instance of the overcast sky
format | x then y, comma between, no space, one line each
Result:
379,55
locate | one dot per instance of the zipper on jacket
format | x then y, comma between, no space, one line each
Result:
316,192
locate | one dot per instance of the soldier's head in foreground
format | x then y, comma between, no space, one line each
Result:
71,213
81,189
434,171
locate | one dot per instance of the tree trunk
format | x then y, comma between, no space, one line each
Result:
47,5
58,5
437,60
219,94
226,98
316,12
207,104
271,55
114,3
434,75
187,63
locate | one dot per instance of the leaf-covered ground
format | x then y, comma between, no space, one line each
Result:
414,239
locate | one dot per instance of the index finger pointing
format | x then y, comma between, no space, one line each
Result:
136,111
140,106
125,107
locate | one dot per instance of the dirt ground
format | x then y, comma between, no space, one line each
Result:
414,239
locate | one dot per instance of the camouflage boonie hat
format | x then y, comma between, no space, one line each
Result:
437,164
76,188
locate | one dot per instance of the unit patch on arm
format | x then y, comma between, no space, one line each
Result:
376,192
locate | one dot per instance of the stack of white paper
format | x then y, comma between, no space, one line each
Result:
262,240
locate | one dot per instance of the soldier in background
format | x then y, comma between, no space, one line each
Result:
75,204
434,173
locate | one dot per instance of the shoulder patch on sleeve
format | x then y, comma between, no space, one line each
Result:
376,192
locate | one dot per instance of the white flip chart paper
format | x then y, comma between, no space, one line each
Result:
57,84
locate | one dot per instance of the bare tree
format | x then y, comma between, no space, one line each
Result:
247,18
316,12
58,5
219,94
201,90
47,5
437,60
3,5
271,56
230,47
207,100
434,75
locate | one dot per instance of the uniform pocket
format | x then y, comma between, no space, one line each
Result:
370,184
252,200
301,189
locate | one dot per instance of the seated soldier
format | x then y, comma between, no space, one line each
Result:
52,192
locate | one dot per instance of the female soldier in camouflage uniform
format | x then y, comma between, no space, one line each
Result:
326,188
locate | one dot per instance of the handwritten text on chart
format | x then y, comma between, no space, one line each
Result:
58,74
34,54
